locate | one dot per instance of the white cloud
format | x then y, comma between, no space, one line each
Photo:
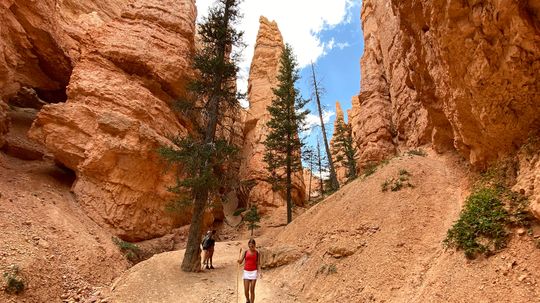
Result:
342,45
300,23
313,120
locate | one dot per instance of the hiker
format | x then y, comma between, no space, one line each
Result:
252,270
208,244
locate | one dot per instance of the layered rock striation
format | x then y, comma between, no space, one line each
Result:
118,113
461,75
262,78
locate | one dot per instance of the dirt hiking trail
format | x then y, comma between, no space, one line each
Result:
160,280
361,244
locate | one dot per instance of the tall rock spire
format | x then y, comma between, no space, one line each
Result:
262,78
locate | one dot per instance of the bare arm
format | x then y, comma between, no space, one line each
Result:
242,258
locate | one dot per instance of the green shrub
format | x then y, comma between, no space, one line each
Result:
14,282
397,183
370,169
332,269
131,251
385,185
328,269
490,211
481,225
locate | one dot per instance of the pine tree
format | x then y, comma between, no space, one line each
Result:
334,184
282,144
344,149
202,156
252,217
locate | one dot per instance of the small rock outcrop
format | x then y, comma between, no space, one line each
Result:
118,113
262,78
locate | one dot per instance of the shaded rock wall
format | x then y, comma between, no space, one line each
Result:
40,41
458,74
262,78
117,114
4,123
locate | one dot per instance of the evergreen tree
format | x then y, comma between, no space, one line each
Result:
202,156
334,184
282,144
344,149
252,217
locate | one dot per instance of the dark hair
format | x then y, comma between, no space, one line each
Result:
251,241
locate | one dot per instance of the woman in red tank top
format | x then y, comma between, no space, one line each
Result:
252,270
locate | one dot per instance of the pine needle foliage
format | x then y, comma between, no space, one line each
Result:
252,218
287,115
202,158
343,144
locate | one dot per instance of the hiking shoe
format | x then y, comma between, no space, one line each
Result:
211,267
207,267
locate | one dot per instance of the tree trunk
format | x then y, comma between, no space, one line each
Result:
320,167
192,256
333,179
310,175
289,196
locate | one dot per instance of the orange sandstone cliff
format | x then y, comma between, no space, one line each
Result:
262,78
461,75
117,113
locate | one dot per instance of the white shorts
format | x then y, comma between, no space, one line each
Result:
250,275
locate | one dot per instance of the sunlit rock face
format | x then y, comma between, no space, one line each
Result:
262,78
461,75
129,70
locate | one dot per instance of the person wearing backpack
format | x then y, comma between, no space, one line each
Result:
208,244
252,270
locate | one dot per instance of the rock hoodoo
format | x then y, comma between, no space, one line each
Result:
262,78
117,114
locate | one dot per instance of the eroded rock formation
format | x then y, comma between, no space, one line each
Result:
262,78
461,75
40,41
117,114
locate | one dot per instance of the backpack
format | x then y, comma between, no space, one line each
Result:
206,242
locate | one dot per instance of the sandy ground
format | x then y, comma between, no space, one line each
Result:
359,245
160,280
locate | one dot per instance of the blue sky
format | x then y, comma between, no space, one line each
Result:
338,70
325,32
